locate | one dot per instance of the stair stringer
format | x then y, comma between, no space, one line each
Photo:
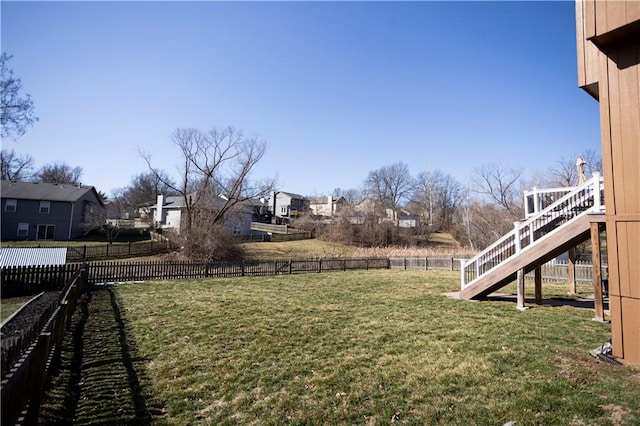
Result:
537,254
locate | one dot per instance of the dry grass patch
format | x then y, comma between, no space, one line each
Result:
302,249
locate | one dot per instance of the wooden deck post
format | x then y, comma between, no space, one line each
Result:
571,266
598,299
520,294
537,277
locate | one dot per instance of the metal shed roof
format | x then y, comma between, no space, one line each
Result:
31,256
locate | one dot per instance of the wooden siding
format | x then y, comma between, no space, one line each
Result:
587,55
605,20
614,28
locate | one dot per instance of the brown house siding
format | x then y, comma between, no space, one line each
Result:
613,28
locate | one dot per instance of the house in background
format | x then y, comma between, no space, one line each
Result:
45,211
287,205
408,220
327,206
371,209
169,211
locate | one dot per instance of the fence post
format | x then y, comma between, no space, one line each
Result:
40,361
597,203
84,252
290,266
242,267
516,229
452,268
520,290
320,265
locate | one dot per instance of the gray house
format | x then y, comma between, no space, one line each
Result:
327,206
169,211
45,211
287,205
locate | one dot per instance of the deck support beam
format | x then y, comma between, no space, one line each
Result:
571,266
537,279
520,293
596,260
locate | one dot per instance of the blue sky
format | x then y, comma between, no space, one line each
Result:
337,89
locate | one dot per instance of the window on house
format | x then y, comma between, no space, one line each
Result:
283,210
45,207
23,230
10,206
46,232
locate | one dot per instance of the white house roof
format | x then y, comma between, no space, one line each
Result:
31,256
45,191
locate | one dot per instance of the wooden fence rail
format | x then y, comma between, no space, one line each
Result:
110,251
446,263
30,280
559,271
27,280
143,271
22,387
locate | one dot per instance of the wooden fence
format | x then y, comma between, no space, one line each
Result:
22,387
31,280
558,271
106,251
143,271
28,280
446,263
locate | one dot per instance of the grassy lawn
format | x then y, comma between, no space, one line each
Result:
10,305
370,347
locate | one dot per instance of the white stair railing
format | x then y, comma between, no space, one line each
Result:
583,199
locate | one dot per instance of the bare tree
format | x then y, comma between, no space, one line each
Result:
94,216
425,194
449,197
16,167
501,185
438,196
140,193
59,173
351,196
564,173
16,111
483,223
390,186
215,179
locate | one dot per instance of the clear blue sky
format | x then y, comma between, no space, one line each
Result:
337,89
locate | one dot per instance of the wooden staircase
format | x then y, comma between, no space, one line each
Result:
550,232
